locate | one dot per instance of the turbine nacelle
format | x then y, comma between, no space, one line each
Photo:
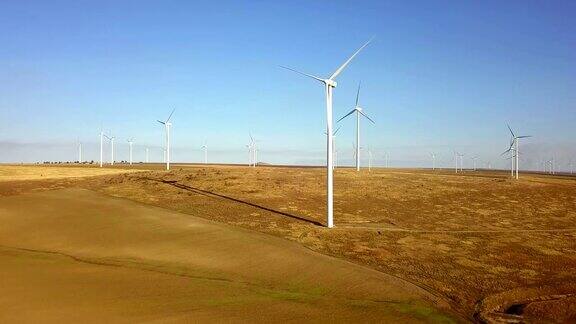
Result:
331,83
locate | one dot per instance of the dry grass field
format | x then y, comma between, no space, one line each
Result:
492,248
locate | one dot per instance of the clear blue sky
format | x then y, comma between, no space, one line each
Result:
440,75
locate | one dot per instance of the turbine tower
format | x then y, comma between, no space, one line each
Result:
369,160
329,85
167,125
147,155
130,142
101,146
386,158
433,156
79,151
359,111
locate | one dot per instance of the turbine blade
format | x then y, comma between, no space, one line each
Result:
348,114
339,70
525,136
336,131
167,120
305,74
363,114
161,122
510,129
358,93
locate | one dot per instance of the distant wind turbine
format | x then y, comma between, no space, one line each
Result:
386,158
167,125
474,162
334,146
329,85
433,156
111,139
515,142
249,146
147,155
101,146
369,160
79,151
130,142
359,111
205,148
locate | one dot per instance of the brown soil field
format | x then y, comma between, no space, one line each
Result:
72,254
492,248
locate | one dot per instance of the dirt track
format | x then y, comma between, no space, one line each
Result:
74,255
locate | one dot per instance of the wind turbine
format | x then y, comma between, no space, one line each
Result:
254,150
329,85
369,160
167,125
512,157
130,142
249,146
111,139
515,142
334,152
461,156
205,148
433,155
474,162
359,111
147,155
101,146
386,158
355,151
79,151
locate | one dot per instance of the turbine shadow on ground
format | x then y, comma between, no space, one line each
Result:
211,194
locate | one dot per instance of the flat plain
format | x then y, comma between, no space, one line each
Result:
438,246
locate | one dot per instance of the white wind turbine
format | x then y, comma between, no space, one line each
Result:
456,161
205,148
167,125
112,150
369,160
101,146
359,111
459,156
386,158
329,85
474,162
433,156
249,146
111,139
147,155
79,151
253,150
130,142
334,151
515,143
355,151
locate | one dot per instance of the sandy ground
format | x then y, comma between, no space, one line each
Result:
36,172
72,255
490,247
